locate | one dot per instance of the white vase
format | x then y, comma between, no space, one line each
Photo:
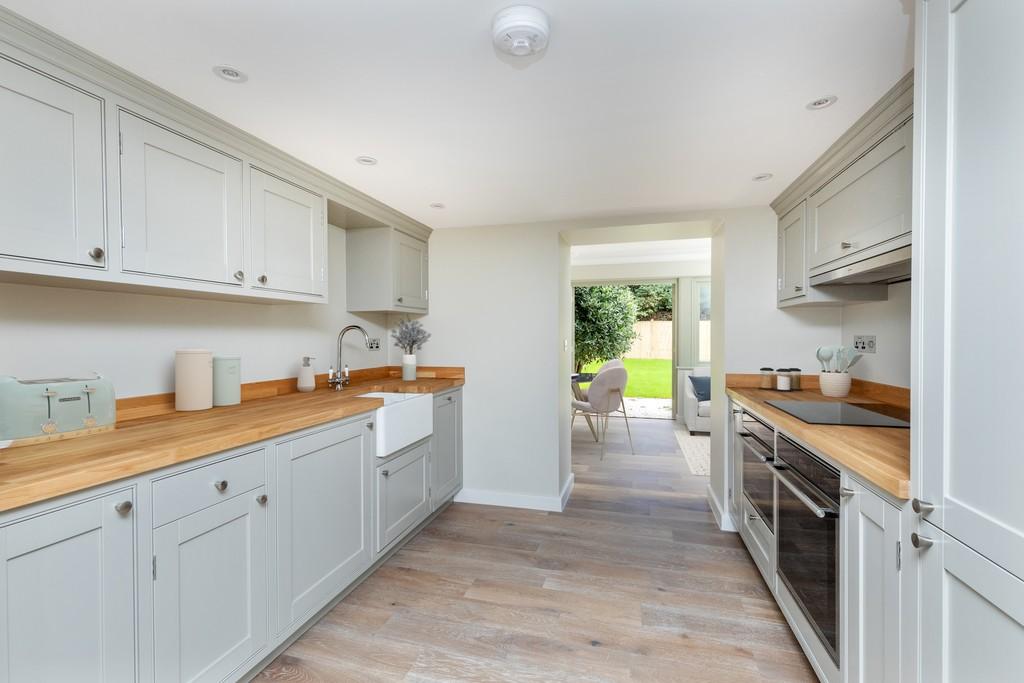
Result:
835,384
408,367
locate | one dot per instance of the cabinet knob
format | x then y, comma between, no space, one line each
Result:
221,485
261,499
124,507
921,507
798,288
450,399
921,542
385,473
239,275
751,518
262,279
846,245
846,493
401,299
369,425
97,253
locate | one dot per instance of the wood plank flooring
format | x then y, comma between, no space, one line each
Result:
633,582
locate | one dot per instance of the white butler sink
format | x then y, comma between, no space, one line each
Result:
403,420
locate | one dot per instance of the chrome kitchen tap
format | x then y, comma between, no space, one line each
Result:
339,378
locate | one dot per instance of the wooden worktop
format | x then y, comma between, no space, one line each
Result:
30,474
879,455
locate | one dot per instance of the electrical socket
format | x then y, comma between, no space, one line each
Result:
374,343
865,343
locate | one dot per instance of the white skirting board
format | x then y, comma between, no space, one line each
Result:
518,500
722,518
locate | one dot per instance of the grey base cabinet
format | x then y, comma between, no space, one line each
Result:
322,536
446,448
403,493
67,594
210,590
872,553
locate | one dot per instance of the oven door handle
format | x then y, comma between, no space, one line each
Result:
755,447
819,511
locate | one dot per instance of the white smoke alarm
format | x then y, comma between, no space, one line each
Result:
521,30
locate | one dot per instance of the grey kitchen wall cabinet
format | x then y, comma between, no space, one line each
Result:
210,585
53,199
288,232
402,493
867,205
322,539
73,567
387,270
792,251
181,205
872,554
446,448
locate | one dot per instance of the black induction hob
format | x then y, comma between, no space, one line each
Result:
836,413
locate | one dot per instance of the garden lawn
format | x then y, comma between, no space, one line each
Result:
648,377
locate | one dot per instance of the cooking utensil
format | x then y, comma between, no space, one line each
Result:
825,354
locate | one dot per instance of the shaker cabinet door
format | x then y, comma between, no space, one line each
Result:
410,264
323,535
872,579
865,205
67,594
403,497
181,205
446,448
51,169
792,270
210,590
289,236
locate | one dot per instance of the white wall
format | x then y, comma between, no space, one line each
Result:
889,321
566,364
494,308
640,271
52,332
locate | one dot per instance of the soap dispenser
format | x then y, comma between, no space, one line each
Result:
307,380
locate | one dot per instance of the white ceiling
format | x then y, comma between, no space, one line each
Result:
637,106
655,251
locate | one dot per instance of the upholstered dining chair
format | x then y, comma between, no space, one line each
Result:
605,396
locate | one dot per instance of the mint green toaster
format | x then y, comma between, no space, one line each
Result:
37,409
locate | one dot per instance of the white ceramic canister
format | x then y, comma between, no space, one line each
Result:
193,379
835,384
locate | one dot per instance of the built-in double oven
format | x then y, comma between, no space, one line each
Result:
807,538
758,452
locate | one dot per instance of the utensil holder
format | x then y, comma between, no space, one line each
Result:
835,384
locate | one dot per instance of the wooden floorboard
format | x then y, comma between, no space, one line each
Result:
633,582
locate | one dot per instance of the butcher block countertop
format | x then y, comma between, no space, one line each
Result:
31,474
879,455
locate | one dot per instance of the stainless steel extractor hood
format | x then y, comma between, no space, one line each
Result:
892,266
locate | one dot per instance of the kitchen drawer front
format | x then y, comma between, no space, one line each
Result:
182,494
760,542
764,433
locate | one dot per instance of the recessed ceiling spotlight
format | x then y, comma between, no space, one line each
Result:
366,160
761,177
822,102
437,205
230,73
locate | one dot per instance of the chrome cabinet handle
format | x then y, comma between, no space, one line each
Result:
97,253
124,507
751,518
846,493
261,499
798,288
921,507
221,485
262,279
385,473
921,542
239,275
369,425
846,245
